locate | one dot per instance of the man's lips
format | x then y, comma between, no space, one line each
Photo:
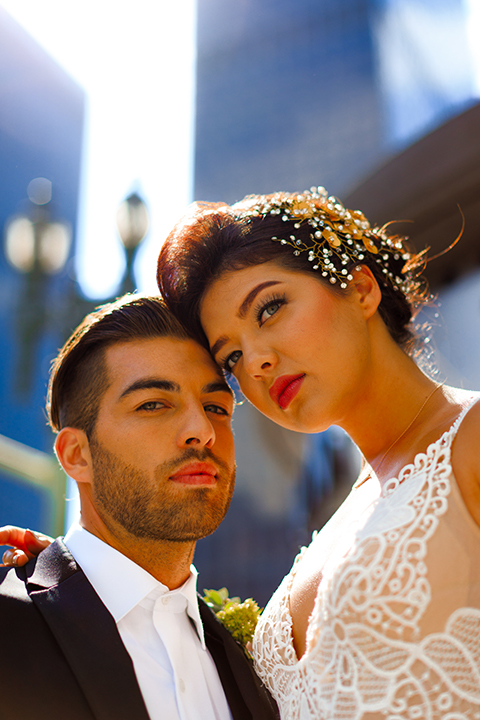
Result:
285,388
198,473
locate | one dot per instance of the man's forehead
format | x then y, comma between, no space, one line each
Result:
175,359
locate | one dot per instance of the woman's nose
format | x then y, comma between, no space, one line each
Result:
258,362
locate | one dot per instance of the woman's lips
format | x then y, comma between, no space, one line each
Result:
285,388
195,474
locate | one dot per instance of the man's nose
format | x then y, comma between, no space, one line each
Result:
196,430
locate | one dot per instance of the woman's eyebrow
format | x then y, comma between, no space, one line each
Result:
246,304
218,345
242,311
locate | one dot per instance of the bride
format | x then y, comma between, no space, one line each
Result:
310,309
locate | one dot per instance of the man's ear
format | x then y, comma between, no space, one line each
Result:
73,452
366,289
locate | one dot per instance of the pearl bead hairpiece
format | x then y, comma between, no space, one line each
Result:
339,238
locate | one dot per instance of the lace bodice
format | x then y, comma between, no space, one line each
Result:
395,631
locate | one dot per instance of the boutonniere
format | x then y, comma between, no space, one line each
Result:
239,618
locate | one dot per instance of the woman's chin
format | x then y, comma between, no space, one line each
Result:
300,422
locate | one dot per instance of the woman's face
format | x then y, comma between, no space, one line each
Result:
298,350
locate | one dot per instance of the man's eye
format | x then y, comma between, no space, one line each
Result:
216,409
152,405
232,360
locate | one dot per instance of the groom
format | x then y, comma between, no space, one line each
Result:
106,624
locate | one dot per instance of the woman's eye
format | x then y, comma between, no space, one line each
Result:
268,311
267,307
232,360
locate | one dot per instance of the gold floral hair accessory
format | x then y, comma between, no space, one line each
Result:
338,237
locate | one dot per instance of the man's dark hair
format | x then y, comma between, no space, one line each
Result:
79,377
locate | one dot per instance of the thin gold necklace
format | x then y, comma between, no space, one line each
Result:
404,432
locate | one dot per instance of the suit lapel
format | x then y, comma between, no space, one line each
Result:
246,695
87,635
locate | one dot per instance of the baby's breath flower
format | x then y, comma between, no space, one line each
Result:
239,618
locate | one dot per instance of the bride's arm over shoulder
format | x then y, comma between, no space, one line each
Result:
25,544
466,460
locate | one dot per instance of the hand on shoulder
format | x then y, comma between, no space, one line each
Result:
26,544
466,460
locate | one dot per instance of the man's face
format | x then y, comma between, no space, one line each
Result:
162,450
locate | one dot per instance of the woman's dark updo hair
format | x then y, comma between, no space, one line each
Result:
213,239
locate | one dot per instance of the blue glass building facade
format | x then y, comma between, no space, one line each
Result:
41,128
293,94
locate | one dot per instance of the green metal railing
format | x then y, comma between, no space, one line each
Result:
34,467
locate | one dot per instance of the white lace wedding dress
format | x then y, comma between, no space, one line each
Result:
395,631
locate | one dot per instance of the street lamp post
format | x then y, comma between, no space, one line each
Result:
132,225
38,248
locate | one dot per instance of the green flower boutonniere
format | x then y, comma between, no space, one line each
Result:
240,618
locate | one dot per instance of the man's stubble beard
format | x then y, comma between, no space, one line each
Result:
152,509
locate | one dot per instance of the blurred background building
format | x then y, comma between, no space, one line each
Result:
41,130
374,99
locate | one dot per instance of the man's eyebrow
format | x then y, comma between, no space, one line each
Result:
242,311
217,386
149,384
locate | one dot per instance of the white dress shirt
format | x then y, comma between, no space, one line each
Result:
161,630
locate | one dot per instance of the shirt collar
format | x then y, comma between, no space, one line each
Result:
120,583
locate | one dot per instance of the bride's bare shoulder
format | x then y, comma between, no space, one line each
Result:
466,459
469,430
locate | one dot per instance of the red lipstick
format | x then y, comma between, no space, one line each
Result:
285,388
195,474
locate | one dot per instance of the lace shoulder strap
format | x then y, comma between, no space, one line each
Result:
450,434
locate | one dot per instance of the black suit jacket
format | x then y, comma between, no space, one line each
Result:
62,657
